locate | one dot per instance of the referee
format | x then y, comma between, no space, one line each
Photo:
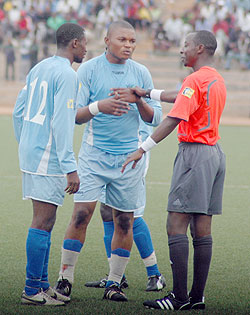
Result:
199,169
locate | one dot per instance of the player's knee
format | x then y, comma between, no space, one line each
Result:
106,213
82,218
125,223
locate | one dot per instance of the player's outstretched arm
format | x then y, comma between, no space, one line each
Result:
158,95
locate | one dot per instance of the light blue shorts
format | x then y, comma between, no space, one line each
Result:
44,188
139,212
99,170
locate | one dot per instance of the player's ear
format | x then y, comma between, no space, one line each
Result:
106,40
200,49
74,42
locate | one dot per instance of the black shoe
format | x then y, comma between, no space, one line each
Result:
114,293
156,283
197,304
169,302
97,284
124,283
102,283
63,287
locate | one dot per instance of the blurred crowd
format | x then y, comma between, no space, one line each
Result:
229,20
27,27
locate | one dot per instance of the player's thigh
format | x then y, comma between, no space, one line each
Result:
47,189
126,191
44,215
92,174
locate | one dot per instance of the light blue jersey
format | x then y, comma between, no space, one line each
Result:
114,134
44,118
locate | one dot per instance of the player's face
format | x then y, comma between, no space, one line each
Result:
189,51
80,50
121,43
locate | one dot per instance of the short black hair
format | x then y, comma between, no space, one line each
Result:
207,39
68,31
117,24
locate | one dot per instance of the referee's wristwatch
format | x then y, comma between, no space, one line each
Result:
147,95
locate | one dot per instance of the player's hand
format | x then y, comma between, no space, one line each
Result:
73,183
125,94
113,106
139,91
135,156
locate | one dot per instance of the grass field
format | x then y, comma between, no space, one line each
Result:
228,288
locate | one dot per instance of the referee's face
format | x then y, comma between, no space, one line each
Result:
121,43
189,51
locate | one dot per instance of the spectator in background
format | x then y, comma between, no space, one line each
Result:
245,21
174,26
145,17
202,24
221,25
2,34
24,23
104,18
25,45
34,53
9,52
161,41
237,49
53,23
221,10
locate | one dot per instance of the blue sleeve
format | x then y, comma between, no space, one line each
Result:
18,113
63,121
148,84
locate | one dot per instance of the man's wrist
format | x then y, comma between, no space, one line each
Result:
147,94
148,144
93,108
156,94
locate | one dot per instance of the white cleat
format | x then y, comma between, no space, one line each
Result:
57,296
41,298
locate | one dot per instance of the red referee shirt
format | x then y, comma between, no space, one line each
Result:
199,104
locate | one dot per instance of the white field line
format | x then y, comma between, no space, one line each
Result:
168,184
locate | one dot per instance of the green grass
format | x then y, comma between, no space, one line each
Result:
227,290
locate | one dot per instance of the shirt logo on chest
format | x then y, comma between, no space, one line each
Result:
118,72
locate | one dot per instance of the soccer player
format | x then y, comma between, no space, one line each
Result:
44,119
111,132
141,235
199,169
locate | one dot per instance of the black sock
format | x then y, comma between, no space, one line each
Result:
202,259
178,252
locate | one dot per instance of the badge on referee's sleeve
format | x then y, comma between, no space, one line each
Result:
188,92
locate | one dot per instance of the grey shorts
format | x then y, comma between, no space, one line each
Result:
198,179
